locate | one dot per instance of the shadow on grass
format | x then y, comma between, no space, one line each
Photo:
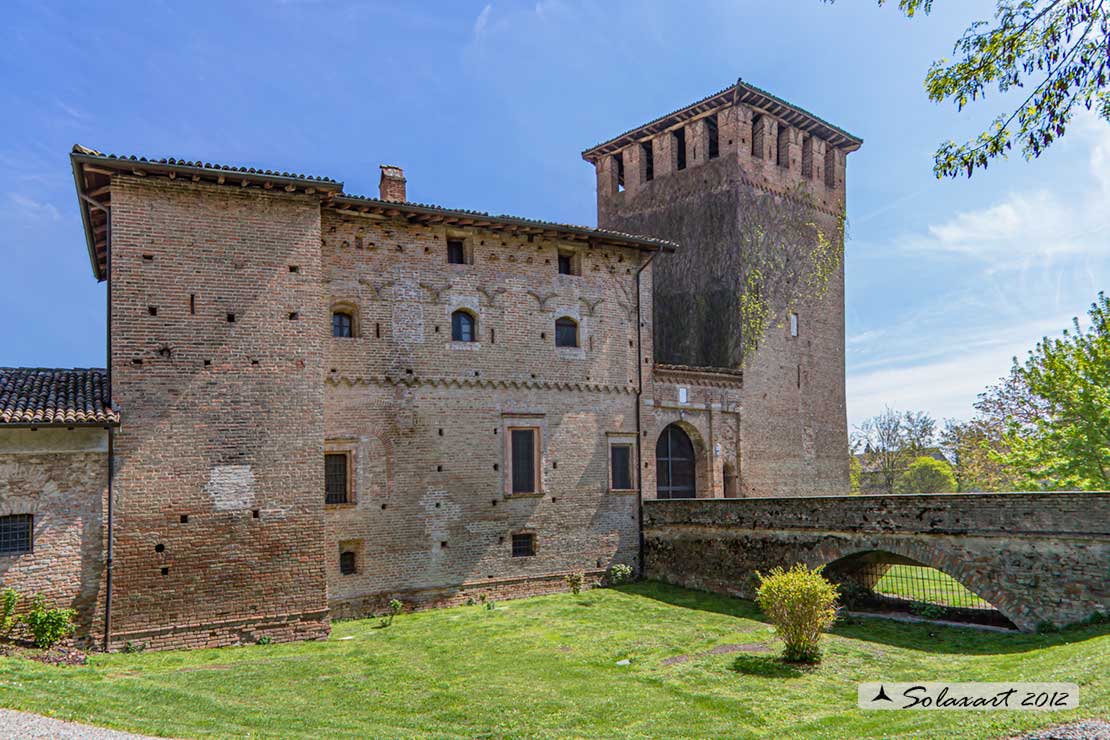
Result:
768,666
929,638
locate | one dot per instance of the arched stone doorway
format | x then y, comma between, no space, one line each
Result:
675,464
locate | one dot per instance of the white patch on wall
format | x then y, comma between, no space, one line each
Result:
683,396
231,487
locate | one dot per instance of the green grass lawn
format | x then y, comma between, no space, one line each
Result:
548,667
929,585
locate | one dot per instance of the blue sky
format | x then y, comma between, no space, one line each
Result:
487,106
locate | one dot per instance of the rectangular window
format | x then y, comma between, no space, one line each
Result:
793,324
566,263
347,563
456,252
757,136
524,545
714,144
335,478
524,463
649,161
620,463
15,534
679,142
618,163
782,155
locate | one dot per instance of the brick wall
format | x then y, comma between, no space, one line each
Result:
59,476
793,430
1037,557
425,418
217,361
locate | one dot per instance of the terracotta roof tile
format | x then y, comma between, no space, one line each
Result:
63,397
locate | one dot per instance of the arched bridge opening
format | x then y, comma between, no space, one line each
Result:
888,584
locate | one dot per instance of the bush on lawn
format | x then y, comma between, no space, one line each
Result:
620,573
574,582
801,603
48,627
8,599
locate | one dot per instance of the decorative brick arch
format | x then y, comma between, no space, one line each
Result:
703,481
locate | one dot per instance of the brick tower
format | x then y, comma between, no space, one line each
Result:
709,176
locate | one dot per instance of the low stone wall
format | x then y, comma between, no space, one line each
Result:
1037,557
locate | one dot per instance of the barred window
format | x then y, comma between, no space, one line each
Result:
15,534
335,478
524,465
524,545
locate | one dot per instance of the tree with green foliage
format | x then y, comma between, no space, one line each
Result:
926,475
973,448
1058,417
1056,49
855,469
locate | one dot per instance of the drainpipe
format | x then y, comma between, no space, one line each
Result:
639,404
111,431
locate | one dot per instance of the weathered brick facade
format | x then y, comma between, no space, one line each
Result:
262,323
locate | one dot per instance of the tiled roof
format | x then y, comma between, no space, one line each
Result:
63,397
198,164
506,219
743,92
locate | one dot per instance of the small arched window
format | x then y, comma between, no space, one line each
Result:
566,332
342,324
463,327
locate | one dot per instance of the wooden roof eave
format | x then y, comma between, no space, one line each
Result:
86,217
415,213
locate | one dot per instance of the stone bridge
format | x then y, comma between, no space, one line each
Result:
1037,557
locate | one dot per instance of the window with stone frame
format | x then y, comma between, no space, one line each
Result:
524,463
621,465
337,478
16,534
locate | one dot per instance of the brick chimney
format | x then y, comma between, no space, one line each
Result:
392,185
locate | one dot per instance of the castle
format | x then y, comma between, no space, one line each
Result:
316,402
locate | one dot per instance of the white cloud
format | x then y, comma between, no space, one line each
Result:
20,207
482,21
1033,227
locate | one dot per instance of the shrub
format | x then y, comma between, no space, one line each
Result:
620,573
801,603
926,475
48,627
8,599
574,582
395,608
928,611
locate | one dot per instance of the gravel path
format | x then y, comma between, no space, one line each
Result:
1092,729
18,725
